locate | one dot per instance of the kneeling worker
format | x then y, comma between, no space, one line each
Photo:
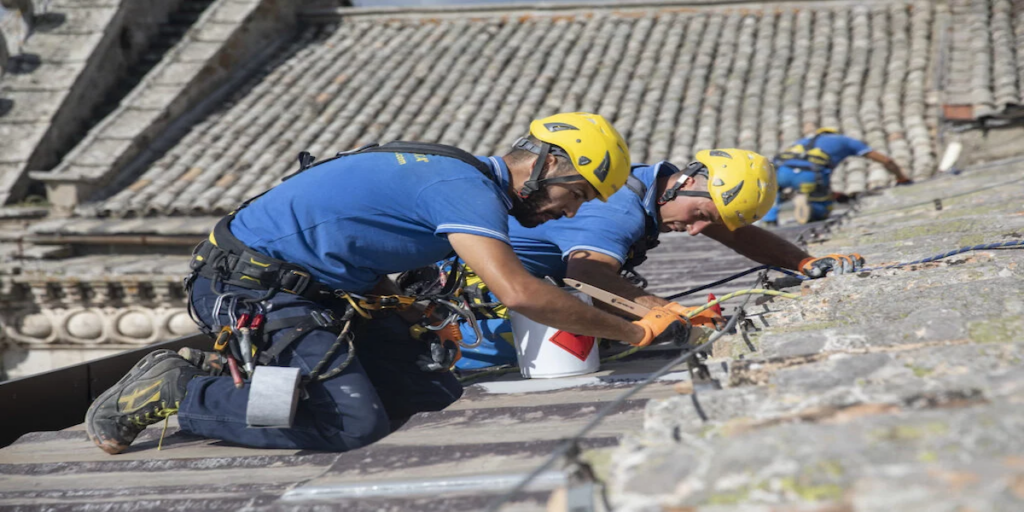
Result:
718,195
315,247
806,168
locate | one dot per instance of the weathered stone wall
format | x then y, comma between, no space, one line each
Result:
124,40
219,46
77,50
894,389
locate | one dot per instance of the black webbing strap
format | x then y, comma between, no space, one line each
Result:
297,327
226,258
429,148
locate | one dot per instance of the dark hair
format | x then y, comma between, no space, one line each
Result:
563,166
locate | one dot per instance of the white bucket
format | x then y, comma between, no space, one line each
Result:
545,352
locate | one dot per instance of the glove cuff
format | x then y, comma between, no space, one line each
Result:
678,309
805,261
648,335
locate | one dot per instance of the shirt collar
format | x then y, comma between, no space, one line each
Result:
649,175
500,171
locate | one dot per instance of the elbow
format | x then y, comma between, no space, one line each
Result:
516,301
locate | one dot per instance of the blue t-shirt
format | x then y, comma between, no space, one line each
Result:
609,228
353,220
837,147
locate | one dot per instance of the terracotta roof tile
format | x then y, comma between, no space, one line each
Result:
672,82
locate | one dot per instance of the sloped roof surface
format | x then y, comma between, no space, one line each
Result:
895,389
891,386
986,67
499,428
672,81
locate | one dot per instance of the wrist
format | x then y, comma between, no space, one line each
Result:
639,334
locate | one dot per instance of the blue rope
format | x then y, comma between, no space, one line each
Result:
980,247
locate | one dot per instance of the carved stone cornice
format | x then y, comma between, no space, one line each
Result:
101,312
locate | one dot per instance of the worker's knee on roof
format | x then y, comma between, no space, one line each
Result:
360,427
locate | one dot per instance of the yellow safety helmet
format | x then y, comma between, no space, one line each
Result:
590,142
741,183
826,129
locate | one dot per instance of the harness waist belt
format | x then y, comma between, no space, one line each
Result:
223,256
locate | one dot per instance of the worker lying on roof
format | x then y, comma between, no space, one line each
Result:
806,167
719,195
309,253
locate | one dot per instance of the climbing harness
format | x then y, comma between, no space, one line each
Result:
816,159
245,340
638,251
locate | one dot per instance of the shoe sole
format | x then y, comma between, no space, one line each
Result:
144,364
801,209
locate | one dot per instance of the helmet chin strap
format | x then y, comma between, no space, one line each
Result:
675,190
534,183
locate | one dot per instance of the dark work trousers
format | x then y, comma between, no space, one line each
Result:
381,386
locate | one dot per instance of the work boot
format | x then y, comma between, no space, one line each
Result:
801,208
151,391
210,362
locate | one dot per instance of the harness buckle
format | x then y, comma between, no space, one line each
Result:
324,318
300,285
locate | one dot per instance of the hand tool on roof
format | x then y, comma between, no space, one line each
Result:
699,372
710,317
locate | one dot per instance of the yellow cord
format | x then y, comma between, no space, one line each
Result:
160,445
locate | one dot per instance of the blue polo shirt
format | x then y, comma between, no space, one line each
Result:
609,228
838,147
353,220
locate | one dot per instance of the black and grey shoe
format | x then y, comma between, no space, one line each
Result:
152,391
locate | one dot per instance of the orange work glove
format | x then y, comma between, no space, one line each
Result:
835,263
706,318
662,325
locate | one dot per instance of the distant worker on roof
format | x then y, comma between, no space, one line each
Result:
806,169
720,194
281,279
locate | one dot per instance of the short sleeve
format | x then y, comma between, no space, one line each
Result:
464,205
857,147
607,229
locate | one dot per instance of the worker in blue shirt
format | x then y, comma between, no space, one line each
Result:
297,276
718,195
806,168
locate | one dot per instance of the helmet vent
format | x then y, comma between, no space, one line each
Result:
718,182
557,127
601,173
723,154
730,194
584,160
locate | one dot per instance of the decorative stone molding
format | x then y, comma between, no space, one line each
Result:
46,311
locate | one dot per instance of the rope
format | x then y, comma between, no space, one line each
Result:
569,443
932,201
691,314
753,291
734,277
981,247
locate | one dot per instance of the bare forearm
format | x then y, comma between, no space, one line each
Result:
760,245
